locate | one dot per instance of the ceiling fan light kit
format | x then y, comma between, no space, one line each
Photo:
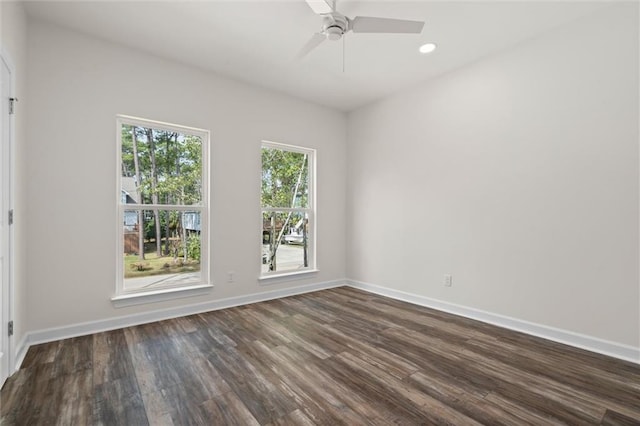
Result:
335,25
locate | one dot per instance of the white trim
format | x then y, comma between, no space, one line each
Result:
153,296
10,198
21,352
616,350
287,210
172,207
83,329
310,211
122,296
169,127
582,341
286,276
288,147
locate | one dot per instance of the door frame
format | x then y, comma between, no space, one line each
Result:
9,173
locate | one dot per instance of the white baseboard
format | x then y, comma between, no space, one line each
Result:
21,352
590,343
82,329
613,349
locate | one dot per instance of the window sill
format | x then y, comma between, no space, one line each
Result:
285,276
131,299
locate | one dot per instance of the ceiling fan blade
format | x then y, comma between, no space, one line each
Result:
366,24
321,6
313,42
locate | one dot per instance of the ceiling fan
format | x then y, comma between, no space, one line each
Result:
335,25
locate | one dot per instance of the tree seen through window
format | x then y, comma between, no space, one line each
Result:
287,208
162,205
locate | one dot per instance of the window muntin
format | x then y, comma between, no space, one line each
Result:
162,206
287,207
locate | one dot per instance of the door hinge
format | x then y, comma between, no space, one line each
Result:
12,105
10,328
11,217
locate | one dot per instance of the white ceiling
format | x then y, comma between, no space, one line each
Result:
256,41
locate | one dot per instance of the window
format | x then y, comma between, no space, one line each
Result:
162,207
288,209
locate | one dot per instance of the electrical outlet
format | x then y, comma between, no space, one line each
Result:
447,280
230,276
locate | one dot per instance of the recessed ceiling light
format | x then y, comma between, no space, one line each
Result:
427,48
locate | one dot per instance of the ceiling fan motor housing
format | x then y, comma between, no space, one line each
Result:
335,25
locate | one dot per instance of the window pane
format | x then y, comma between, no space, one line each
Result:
285,241
285,178
170,254
160,167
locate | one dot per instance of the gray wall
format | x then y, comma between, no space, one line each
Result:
518,175
77,85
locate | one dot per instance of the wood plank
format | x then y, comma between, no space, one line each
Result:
118,402
316,403
111,357
334,357
611,418
253,388
76,406
401,398
296,418
228,409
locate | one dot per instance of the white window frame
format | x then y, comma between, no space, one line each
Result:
267,277
125,297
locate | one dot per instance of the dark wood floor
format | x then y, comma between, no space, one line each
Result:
338,356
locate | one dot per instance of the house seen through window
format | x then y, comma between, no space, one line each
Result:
162,206
287,209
